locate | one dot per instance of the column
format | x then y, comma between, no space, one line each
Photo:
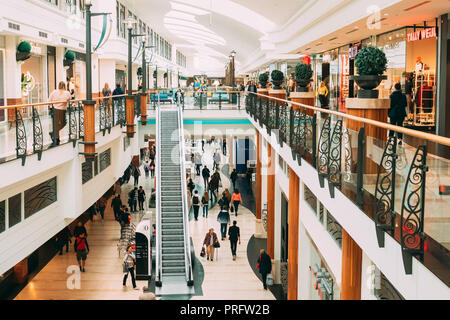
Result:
293,232
270,201
61,74
260,232
351,268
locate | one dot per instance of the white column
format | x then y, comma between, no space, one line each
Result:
61,74
107,73
12,69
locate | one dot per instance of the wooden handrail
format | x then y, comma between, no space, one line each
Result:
415,133
56,102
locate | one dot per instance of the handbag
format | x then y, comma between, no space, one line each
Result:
203,253
232,209
216,244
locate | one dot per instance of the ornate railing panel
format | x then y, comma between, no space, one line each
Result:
334,170
38,137
323,151
80,121
412,237
385,191
21,137
73,126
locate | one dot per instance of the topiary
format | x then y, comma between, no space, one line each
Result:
24,47
263,78
139,71
303,72
277,76
371,61
70,55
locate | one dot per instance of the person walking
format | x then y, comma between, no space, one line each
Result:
206,174
196,204
191,185
265,266
101,206
127,174
147,168
203,145
216,159
198,163
117,92
136,174
116,204
117,188
234,236
129,262
205,204
224,147
323,93
152,169
92,212
224,201
397,111
210,242
106,91
141,198
224,219
81,248
79,229
59,110
233,177
63,239
133,199
236,200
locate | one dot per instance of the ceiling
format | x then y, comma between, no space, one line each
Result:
206,31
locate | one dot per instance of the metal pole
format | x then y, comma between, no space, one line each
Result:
88,54
130,69
144,70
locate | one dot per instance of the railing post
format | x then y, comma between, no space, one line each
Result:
143,109
89,130
52,113
129,115
314,140
239,100
201,100
291,130
38,138
220,101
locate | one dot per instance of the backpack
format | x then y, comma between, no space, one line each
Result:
195,200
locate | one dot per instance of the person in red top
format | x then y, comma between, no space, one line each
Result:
81,248
236,200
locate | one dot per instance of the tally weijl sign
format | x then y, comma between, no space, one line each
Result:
422,34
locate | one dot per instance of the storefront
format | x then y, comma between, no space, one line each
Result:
34,75
76,74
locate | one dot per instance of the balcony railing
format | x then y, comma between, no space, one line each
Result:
399,186
34,134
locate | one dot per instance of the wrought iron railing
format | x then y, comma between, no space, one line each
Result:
35,134
389,181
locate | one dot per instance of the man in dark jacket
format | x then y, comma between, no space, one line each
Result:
397,112
79,229
234,236
265,266
116,204
118,91
206,174
233,178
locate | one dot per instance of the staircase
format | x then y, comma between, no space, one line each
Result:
174,270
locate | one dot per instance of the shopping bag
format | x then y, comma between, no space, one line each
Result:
269,280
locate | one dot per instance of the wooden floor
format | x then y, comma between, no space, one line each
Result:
224,279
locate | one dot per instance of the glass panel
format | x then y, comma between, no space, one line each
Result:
310,198
15,210
40,196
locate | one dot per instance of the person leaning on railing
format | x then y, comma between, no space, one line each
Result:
59,114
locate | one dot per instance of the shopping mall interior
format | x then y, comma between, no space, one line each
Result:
224,150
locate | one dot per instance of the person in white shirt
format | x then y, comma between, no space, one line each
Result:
61,96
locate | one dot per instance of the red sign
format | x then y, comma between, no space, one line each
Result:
422,34
306,60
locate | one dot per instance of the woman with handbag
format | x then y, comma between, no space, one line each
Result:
265,266
211,242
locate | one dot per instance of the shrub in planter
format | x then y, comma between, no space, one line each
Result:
139,71
23,51
303,74
371,63
69,58
277,79
263,79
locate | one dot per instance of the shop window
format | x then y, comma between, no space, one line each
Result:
15,210
383,288
122,22
40,197
105,159
310,198
2,216
95,165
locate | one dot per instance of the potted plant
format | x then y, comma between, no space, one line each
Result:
23,51
263,79
303,74
69,58
371,63
277,79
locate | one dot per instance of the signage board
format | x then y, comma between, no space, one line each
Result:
423,34
143,256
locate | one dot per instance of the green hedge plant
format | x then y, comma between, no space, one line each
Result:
371,61
263,79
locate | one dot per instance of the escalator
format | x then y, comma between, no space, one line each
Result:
173,247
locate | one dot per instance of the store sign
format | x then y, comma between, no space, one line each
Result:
353,51
422,34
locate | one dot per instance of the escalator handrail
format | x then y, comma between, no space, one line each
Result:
158,197
188,267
